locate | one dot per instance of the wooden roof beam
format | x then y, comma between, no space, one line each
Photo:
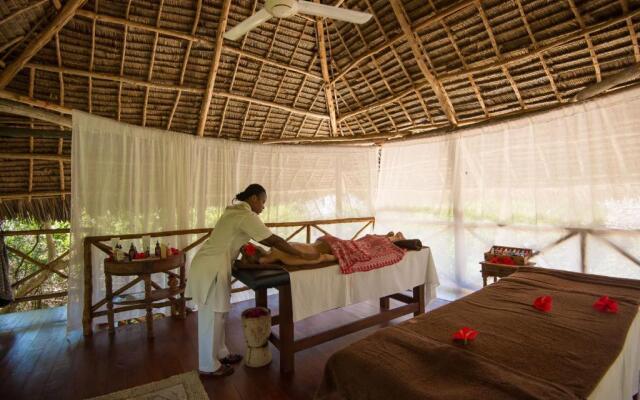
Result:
153,59
11,107
59,21
185,62
587,38
494,44
35,156
144,83
435,84
213,71
472,81
349,88
534,42
257,80
430,20
22,11
31,132
122,57
483,66
328,91
551,44
632,31
284,76
192,38
18,196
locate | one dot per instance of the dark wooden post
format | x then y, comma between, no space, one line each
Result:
419,297
88,290
148,301
287,360
261,298
109,287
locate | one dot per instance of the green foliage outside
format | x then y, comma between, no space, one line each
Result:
41,249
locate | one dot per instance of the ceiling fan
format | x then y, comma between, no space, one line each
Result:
287,8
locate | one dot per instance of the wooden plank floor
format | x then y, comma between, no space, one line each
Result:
38,360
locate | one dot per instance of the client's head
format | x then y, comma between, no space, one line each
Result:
255,195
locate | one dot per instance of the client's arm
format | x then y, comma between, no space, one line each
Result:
282,245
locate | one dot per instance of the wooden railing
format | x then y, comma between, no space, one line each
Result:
569,233
93,310
32,282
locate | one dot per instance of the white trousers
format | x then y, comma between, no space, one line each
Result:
211,337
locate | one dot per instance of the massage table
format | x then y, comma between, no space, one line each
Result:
571,352
306,291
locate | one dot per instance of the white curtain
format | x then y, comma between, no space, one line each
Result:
128,179
523,183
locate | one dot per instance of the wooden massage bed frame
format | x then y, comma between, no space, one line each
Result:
261,280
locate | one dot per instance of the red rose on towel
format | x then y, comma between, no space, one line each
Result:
465,335
543,303
139,256
174,251
605,304
249,249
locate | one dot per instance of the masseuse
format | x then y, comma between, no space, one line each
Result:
209,279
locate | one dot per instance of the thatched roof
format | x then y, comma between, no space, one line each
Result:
416,68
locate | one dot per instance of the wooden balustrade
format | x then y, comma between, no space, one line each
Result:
24,287
92,310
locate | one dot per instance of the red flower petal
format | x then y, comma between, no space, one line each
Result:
605,304
465,335
250,249
543,303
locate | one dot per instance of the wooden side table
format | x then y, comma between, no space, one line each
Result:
154,295
497,270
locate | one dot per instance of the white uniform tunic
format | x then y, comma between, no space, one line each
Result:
209,279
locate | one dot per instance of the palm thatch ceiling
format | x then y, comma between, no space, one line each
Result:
417,67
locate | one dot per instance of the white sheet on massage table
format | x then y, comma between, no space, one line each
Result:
623,377
316,290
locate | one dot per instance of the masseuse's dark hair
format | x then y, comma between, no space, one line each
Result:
253,189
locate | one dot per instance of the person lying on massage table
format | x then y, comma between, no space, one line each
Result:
275,256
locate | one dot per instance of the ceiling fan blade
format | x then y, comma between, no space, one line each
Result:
342,14
248,24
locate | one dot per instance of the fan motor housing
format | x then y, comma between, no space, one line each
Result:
281,8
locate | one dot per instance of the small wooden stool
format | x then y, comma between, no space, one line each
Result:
154,295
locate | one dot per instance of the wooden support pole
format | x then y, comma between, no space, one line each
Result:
435,84
328,91
60,20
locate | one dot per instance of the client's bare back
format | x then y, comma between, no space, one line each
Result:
278,256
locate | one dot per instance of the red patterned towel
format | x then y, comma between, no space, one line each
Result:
365,254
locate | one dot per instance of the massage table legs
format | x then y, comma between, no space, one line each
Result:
286,344
287,353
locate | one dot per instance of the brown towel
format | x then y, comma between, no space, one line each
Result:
519,353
